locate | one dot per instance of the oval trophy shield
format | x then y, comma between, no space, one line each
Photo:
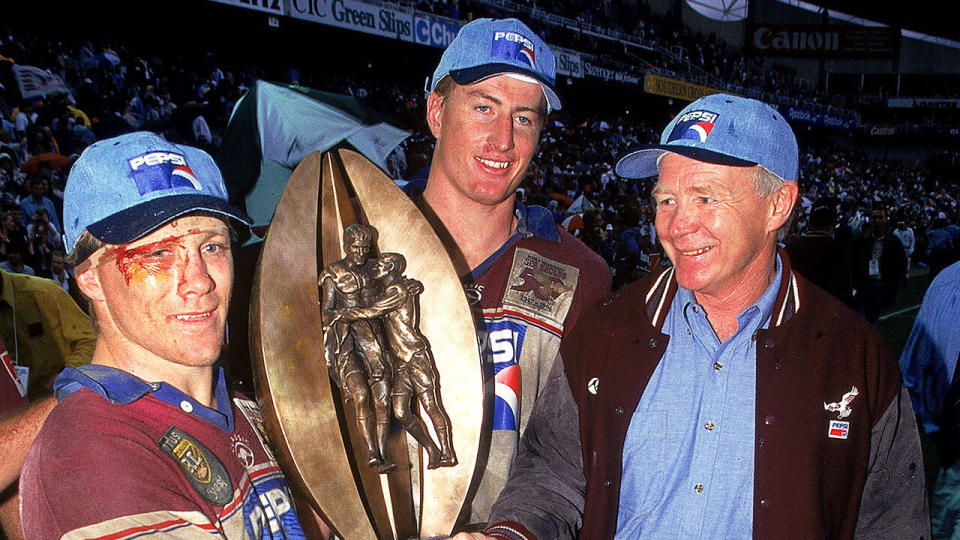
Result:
313,431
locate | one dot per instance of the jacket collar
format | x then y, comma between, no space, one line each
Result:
659,296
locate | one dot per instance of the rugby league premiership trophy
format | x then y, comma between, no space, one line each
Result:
365,354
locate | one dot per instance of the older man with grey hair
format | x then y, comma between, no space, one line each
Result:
725,397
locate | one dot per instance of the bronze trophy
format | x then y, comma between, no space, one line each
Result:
365,357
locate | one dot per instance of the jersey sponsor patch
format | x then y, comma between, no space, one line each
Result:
506,408
501,347
242,450
203,470
838,429
253,415
541,288
269,512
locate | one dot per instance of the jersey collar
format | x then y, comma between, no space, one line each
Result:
122,388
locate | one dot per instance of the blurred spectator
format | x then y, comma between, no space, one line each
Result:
939,246
16,251
817,256
879,267
905,234
29,205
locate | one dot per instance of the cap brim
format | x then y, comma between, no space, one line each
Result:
142,219
485,71
642,163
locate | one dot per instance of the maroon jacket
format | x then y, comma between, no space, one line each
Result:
806,484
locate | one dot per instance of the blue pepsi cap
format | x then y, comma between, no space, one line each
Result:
487,47
123,188
723,129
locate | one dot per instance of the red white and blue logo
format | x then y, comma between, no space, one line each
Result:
838,429
514,47
506,388
156,171
502,346
694,125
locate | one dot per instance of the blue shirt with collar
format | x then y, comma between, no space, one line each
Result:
688,455
929,357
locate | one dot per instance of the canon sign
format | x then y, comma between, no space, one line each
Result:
796,41
831,41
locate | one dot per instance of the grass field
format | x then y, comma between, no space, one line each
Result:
896,322
894,326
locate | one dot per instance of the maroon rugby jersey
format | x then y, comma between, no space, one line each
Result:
122,458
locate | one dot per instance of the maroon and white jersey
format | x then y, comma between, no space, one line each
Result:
119,457
525,296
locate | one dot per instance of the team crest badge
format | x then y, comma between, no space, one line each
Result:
203,470
541,288
842,407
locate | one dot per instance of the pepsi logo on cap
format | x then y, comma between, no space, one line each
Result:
513,46
156,171
694,125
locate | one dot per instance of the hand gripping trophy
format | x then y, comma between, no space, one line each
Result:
365,306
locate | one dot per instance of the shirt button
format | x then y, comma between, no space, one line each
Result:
765,503
769,419
607,483
653,343
709,426
760,442
717,366
698,488
619,411
186,406
696,309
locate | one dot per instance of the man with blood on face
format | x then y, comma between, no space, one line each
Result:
528,281
778,400
165,443
161,301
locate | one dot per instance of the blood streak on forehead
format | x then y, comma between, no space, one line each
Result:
139,263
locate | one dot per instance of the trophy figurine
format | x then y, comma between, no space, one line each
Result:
360,327
375,351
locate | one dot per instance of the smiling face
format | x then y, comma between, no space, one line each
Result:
487,133
718,231
162,300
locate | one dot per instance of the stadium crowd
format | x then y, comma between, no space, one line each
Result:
117,89
851,201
